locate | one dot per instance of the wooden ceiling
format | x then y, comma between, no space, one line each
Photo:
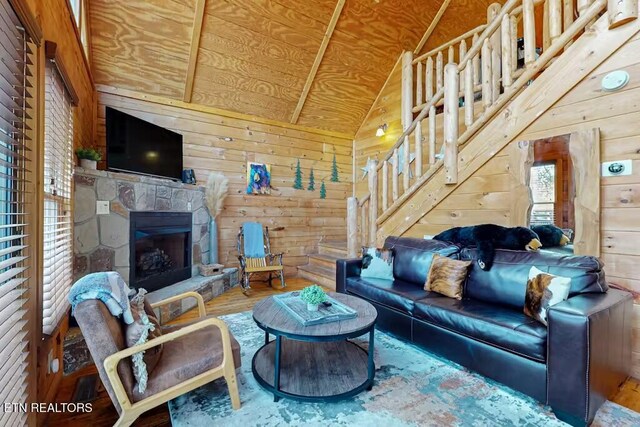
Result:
317,63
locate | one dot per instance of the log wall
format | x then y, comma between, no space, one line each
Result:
306,217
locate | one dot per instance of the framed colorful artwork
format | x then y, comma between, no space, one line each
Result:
258,178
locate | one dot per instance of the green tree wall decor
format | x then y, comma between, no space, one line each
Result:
312,182
334,170
297,183
323,190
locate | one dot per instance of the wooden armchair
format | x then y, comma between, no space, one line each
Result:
200,351
268,263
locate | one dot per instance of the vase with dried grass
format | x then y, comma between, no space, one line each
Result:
215,193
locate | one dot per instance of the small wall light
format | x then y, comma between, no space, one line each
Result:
381,130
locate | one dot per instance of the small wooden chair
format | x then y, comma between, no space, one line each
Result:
269,263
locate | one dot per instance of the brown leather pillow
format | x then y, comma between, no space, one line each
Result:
446,276
144,328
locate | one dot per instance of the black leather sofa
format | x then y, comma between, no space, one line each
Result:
574,365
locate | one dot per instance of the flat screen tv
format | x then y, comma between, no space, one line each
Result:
134,145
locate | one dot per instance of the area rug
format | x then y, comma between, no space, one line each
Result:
412,388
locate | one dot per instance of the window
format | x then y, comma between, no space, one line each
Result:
16,189
80,16
543,191
58,170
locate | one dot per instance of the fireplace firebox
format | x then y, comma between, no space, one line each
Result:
160,249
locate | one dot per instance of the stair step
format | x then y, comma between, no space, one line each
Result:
324,260
319,275
336,248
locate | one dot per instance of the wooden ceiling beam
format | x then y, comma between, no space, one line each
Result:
432,26
316,63
198,20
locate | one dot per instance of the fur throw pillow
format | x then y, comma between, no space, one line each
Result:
377,263
143,328
446,276
543,291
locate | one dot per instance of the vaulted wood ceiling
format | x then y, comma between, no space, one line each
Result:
255,56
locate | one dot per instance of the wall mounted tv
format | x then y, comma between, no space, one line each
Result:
134,145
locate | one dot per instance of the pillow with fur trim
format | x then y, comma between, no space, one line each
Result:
446,276
377,263
543,291
143,329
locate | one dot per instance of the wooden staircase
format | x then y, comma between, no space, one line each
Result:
470,98
321,268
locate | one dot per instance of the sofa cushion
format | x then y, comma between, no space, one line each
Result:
396,294
499,326
412,257
506,282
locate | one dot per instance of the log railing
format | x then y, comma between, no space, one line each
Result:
478,86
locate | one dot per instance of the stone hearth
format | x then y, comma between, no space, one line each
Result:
101,242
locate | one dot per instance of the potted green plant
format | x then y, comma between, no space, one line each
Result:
89,157
314,296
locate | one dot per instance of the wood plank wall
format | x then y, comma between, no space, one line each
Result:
305,217
485,197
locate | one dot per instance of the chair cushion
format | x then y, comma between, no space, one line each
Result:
506,282
396,294
412,257
186,357
499,326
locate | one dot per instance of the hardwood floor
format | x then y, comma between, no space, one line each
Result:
104,414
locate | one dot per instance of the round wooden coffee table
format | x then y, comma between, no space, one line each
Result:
314,363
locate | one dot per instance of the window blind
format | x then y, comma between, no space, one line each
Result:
58,170
15,191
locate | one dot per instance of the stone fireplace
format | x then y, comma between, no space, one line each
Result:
160,249
140,210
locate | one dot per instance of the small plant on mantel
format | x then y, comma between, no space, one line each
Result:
314,296
89,157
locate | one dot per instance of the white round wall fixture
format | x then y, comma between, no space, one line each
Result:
615,80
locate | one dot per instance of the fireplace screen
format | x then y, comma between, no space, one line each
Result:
160,249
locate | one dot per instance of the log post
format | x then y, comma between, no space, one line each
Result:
373,202
567,17
622,11
462,54
407,89
439,70
476,62
385,185
468,94
507,69
513,25
407,164
407,110
364,229
529,26
451,108
555,19
583,5
496,51
451,55
428,80
352,227
432,135
394,176
419,84
486,73
418,143
546,37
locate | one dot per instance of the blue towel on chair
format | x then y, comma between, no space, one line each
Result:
253,240
108,287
